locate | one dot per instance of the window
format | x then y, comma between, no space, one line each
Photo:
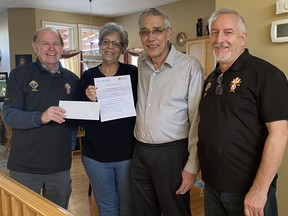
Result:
88,43
67,31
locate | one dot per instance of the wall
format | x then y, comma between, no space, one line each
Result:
259,18
183,16
21,28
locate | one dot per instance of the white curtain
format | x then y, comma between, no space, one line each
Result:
72,61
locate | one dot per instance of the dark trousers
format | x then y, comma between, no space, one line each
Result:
232,204
156,175
55,187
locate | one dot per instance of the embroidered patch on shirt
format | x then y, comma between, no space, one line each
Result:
33,84
234,83
68,88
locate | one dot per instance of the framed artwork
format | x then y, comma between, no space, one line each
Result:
21,59
3,85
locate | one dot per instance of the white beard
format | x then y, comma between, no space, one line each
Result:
222,58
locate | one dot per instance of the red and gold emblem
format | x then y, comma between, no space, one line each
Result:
234,83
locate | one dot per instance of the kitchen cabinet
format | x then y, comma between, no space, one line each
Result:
200,48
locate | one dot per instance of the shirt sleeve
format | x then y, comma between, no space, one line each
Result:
194,96
21,119
12,113
272,98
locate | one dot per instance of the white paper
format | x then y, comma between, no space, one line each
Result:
85,110
115,97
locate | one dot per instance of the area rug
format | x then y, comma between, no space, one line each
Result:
3,158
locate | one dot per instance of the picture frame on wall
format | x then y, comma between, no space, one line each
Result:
21,59
3,85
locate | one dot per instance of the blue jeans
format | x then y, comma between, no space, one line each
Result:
111,186
232,204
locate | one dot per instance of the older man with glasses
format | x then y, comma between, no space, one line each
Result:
165,163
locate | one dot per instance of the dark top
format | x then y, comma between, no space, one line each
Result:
37,148
109,141
232,128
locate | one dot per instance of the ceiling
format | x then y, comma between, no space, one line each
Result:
105,8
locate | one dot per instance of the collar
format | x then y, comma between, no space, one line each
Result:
43,68
238,64
169,61
57,68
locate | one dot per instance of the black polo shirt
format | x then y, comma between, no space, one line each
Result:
232,129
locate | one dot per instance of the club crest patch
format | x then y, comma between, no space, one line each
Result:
34,84
67,86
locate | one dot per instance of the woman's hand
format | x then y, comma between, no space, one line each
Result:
91,92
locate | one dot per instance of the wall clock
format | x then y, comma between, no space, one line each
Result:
181,38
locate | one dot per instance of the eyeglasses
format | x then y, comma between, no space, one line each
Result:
155,32
115,44
219,87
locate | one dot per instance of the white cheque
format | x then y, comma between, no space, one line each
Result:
85,110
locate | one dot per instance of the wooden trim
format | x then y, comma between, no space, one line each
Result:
17,199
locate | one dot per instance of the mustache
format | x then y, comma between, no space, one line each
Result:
221,45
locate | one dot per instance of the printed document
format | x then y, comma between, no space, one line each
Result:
115,97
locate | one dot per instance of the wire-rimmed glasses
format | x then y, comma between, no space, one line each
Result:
115,44
156,32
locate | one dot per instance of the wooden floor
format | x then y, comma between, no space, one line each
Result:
81,204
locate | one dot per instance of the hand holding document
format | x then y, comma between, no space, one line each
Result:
115,97
80,109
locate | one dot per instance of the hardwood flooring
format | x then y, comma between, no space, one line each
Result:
81,204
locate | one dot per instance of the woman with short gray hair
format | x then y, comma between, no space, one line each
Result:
108,147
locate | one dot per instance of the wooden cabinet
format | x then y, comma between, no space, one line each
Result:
200,48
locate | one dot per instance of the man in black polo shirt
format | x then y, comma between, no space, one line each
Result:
40,156
243,126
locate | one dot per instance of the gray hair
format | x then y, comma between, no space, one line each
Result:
36,34
241,21
153,12
111,27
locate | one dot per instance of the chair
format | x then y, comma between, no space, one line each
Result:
80,135
8,130
8,135
89,190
